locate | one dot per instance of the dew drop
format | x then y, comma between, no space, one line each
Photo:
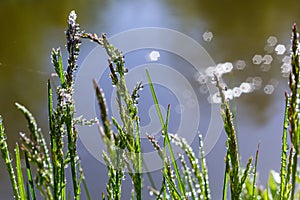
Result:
227,67
153,56
210,71
256,82
202,79
267,59
216,98
280,49
207,36
240,64
257,59
269,89
272,41
286,68
150,193
228,94
236,92
246,87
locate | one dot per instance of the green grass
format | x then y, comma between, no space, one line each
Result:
47,163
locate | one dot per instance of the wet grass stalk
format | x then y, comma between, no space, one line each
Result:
8,161
293,104
234,170
127,139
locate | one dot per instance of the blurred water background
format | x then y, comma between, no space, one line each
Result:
230,31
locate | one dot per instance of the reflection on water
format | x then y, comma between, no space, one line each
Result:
231,31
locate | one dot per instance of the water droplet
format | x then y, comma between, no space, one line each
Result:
236,92
210,71
219,69
257,82
227,67
216,98
269,89
267,59
286,68
280,49
272,40
153,56
228,94
207,36
246,87
240,64
257,59
201,78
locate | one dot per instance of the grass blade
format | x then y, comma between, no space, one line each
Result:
284,151
30,178
8,161
226,176
165,130
86,189
20,173
255,169
204,169
154,97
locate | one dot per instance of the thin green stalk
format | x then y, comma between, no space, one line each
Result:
226,175
204,169
165,129
30,178
20,173
294,107
255,169
8,161
284,151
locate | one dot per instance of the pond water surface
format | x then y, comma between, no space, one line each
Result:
230,31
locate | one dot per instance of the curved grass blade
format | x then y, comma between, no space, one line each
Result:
165,129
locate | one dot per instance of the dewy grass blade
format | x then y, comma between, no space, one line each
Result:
284,150
154,97
20,173
172,186
255,171
165,132
8,161
30,178
226,176
57,63
204,169
174,162
245,175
